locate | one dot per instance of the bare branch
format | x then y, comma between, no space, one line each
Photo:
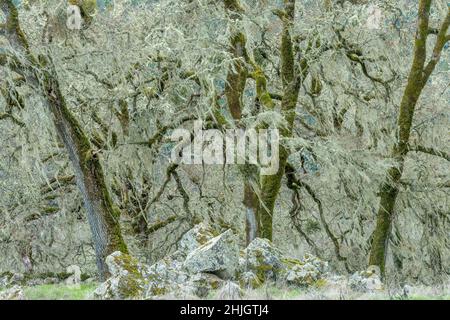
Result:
431,151
441,40
9,116
161,224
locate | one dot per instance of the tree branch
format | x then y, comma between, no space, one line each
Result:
11,29
161,224
441,40
431,151
12,118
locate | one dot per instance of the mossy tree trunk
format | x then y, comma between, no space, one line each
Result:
102,216
418,77
291,79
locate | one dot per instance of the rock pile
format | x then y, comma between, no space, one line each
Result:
14,293
207,261
366,281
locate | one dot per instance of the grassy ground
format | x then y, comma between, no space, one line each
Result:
59,292
63,292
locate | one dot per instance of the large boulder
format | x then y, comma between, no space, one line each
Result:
219,256
166,277
196,237
14,293
262,259
127,278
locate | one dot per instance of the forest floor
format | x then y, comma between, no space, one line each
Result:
64,292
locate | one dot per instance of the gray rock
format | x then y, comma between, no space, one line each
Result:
51,280
195,237
366,281
220,256
17,278
166,277
126,281
5,280
202,284
249,280
262,259
75,275
304,272
35,282
230,291
14,293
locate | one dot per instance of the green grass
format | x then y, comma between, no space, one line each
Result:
429,298
59,292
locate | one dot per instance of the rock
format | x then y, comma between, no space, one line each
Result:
196,237
126,281
263,259
230,291
90,280
5,279
249,280
202,284
305,272
366,281
373,270
35,282
51,280
166,277
219,256
17,278
14,293
75,278
406,291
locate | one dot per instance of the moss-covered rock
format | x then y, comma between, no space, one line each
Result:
202,284
166,277
196,237
366,281
249,280
127,278
262,259
306,272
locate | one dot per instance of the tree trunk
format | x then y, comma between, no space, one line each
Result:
270,184
103,217
417,80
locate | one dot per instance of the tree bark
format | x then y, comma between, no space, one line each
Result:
270,184
103,217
